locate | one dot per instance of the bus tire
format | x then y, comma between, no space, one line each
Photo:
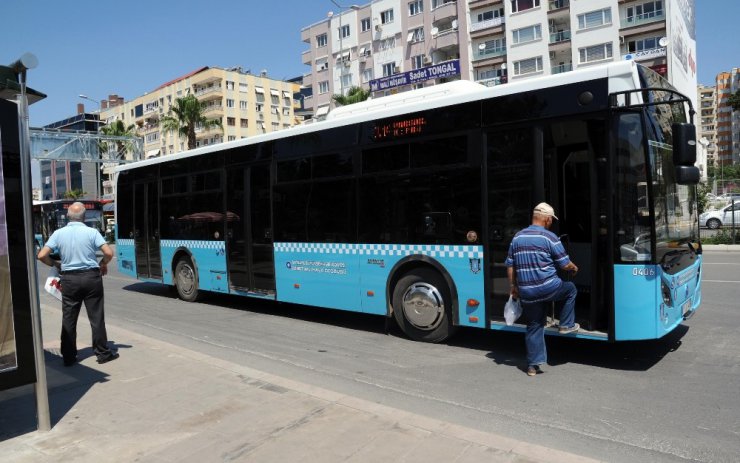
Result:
422,306
186,280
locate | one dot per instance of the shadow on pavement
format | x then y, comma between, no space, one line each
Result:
66,386
626,355
504,348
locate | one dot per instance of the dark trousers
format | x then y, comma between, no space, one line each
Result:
77,288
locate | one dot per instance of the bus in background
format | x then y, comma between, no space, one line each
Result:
405,206
50,215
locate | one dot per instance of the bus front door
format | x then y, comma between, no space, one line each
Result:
249,242
573,188
146,231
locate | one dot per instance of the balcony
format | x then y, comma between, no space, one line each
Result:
306,57
447,38
442,9
560,68
645,18
493,81
487,24
213,108
213,90
559,36
487,53
558,5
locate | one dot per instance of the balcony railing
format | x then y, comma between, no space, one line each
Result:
492,82
644,18
479,26
204,91
560,68
557,4
490,53
213,107
560,36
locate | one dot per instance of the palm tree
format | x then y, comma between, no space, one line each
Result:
184,116
354,95
118,129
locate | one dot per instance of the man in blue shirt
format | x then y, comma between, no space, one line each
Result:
82,281
535,254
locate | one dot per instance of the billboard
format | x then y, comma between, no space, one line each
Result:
681,26
17,366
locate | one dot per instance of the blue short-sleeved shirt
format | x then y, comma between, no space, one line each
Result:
76,243
534,253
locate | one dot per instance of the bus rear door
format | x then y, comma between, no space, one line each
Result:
146,230
249,242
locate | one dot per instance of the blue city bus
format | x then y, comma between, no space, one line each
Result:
404,206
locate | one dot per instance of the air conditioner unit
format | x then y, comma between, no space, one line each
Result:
427,60
397,69
347,64
378,28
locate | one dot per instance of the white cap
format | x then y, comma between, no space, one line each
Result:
546,210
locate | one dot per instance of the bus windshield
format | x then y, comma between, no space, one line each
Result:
674,205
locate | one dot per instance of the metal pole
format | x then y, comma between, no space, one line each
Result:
42,393
341,55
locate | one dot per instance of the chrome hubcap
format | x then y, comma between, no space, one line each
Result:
186,279
423,306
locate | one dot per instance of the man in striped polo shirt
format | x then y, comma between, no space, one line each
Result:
535,254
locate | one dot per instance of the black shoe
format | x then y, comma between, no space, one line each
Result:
69,363
109,358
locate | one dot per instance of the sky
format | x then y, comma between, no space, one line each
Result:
100,47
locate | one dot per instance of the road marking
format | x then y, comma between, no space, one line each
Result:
720,263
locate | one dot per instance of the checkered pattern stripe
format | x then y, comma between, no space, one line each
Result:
125,242
430,250
192,244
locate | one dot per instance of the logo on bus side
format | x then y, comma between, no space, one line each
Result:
475,265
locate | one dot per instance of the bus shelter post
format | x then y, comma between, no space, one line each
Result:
42,394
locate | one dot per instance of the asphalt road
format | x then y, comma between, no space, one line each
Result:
674,399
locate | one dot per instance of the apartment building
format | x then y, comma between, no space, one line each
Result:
727,120
707,123
388,46
246,105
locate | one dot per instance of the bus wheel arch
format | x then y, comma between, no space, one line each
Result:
185,276
423,299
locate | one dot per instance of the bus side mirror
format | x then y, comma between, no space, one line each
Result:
684,144
687,175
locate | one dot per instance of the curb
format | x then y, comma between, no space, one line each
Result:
721,247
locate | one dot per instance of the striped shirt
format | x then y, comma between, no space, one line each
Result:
534,253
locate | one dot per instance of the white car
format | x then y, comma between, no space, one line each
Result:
721,217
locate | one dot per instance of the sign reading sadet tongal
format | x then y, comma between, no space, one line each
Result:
436,71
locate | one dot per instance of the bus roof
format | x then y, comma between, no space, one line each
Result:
622,76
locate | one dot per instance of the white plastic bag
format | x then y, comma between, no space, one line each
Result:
512,310
53,285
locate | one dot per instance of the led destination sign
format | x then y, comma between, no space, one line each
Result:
437,71
395,129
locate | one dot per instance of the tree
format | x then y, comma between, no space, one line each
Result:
118,129
735,101
354,95
74,194
184,116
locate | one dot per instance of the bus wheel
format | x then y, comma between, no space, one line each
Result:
185,280
422,306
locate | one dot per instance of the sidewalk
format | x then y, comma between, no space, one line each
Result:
162,403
